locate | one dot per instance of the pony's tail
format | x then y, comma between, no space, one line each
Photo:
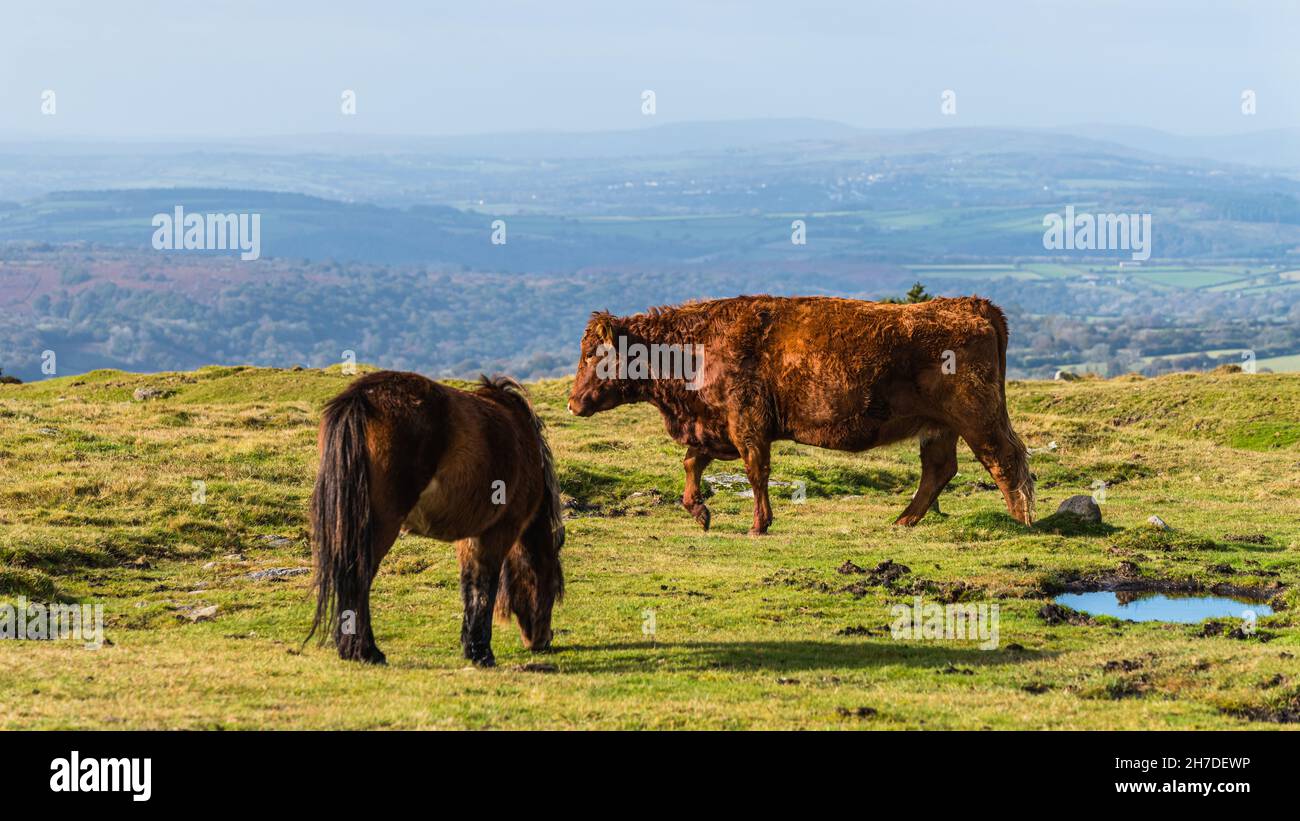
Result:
553,511
532,577
342,529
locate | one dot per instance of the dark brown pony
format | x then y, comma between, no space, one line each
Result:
402,452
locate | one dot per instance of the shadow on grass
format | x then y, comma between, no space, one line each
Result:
1068,524
781,656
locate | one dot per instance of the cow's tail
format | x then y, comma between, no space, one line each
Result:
342,527
1022,478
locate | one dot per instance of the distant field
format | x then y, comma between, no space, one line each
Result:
1208,277
97,505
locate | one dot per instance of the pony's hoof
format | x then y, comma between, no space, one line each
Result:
541,645
484,662
753,531
366,657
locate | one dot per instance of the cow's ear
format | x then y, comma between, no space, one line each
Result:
602,326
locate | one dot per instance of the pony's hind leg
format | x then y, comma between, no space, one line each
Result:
480,575
355,637
938,466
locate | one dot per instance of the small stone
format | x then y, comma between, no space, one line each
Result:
1157,522
202,613
145,394
1085,507
276,573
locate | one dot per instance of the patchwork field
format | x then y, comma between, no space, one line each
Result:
160,507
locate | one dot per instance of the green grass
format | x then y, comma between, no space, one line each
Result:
97,505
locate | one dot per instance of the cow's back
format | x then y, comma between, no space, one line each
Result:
842,373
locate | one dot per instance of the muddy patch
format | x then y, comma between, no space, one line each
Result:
1240,632
1054,614
862,630
1283,710
1128,578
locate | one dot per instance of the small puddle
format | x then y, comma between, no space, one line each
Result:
1189,609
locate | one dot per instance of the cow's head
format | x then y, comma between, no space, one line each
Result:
596,387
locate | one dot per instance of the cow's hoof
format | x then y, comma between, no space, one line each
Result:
753,531
907,521
702,515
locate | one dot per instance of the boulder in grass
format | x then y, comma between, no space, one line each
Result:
198,614
1082,506
145,394
1157,523
278,573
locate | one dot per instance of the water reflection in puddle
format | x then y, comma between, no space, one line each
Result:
1160,607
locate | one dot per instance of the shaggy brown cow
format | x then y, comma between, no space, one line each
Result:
835,373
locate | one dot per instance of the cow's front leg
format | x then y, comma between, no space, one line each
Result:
757,468
693,497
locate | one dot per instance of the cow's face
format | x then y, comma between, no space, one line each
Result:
595,387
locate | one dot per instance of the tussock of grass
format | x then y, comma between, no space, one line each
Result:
1145,538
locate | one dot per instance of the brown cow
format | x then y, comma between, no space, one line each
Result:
834,373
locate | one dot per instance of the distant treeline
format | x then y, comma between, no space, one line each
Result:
134,312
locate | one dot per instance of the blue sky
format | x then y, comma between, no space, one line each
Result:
221,69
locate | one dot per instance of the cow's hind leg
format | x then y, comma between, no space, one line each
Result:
1005,457
938,466
480,576
758,468
693,496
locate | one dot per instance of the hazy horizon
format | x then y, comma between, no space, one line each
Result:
157,71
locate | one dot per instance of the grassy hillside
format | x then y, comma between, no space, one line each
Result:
98,503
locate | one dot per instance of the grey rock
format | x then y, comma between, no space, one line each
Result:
145,394
276,573
202,613
1082,506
